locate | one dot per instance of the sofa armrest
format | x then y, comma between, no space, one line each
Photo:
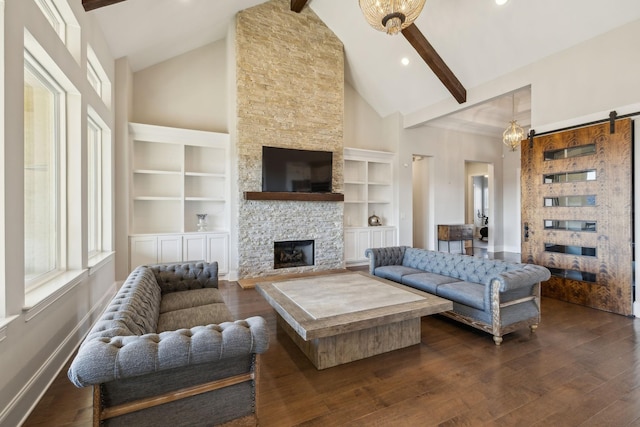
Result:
528,275
185,276
106,359
384,256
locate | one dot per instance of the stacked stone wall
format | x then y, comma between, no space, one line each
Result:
290,94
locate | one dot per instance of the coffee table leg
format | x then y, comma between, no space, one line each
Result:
335,350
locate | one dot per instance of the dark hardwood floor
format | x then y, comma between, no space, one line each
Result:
582,368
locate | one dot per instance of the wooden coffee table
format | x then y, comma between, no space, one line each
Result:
340,318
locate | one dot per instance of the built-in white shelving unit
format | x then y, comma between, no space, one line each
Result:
176,174
368,190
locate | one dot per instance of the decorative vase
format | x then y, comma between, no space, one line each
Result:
202,222
374,220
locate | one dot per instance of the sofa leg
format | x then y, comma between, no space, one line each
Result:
497,339
97,406
533,328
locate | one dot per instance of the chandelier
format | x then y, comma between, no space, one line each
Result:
391,16
514,132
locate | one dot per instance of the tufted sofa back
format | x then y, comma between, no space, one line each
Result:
467,268
184,277
134,310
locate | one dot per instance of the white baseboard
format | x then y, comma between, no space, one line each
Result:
231,276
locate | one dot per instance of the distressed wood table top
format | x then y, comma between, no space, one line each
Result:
322,306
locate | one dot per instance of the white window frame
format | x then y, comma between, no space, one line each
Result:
55,18
106,191
95,176
59,222
94,78
63,21
98,78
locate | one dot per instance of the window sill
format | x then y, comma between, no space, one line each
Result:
99,260
36,300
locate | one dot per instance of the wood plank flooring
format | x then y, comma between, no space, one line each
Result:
582,368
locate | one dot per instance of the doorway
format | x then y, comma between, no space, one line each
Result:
423,212
480,188
478,206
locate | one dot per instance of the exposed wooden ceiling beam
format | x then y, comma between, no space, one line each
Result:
95,4
435,62
298,5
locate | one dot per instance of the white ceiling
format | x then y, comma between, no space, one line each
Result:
479,40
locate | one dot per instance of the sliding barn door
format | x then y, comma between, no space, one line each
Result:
577,214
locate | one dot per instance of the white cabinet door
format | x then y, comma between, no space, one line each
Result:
390,236
364,241
377,238
218,250
194,247
350,245
169,248
356,241
383,236
142,251
153,249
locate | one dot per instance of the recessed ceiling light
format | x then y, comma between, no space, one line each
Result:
405,61
501,2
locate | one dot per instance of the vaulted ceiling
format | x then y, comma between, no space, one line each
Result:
479,41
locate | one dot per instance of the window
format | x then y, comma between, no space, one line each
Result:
94,79
64,23
97,77
54,17
94,171
44,102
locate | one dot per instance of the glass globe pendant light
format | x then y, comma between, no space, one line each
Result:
391,16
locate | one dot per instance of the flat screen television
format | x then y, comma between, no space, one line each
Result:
290,170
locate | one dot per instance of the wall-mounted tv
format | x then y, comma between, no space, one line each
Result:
289,170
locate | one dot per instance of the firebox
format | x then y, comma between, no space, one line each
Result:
293,253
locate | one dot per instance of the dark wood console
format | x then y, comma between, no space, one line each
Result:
456,233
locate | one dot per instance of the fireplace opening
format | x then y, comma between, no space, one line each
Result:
293,253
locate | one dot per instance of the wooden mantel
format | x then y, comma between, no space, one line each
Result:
292,196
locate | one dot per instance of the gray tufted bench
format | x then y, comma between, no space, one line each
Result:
167,351
491,295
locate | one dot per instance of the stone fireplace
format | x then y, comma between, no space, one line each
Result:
289,94
293,253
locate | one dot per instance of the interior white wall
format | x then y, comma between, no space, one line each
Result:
598,75
450,150
363,127
392,129
124,110
511,200
189,91
35,343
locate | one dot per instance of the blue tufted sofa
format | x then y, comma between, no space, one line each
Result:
167,352
491,295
